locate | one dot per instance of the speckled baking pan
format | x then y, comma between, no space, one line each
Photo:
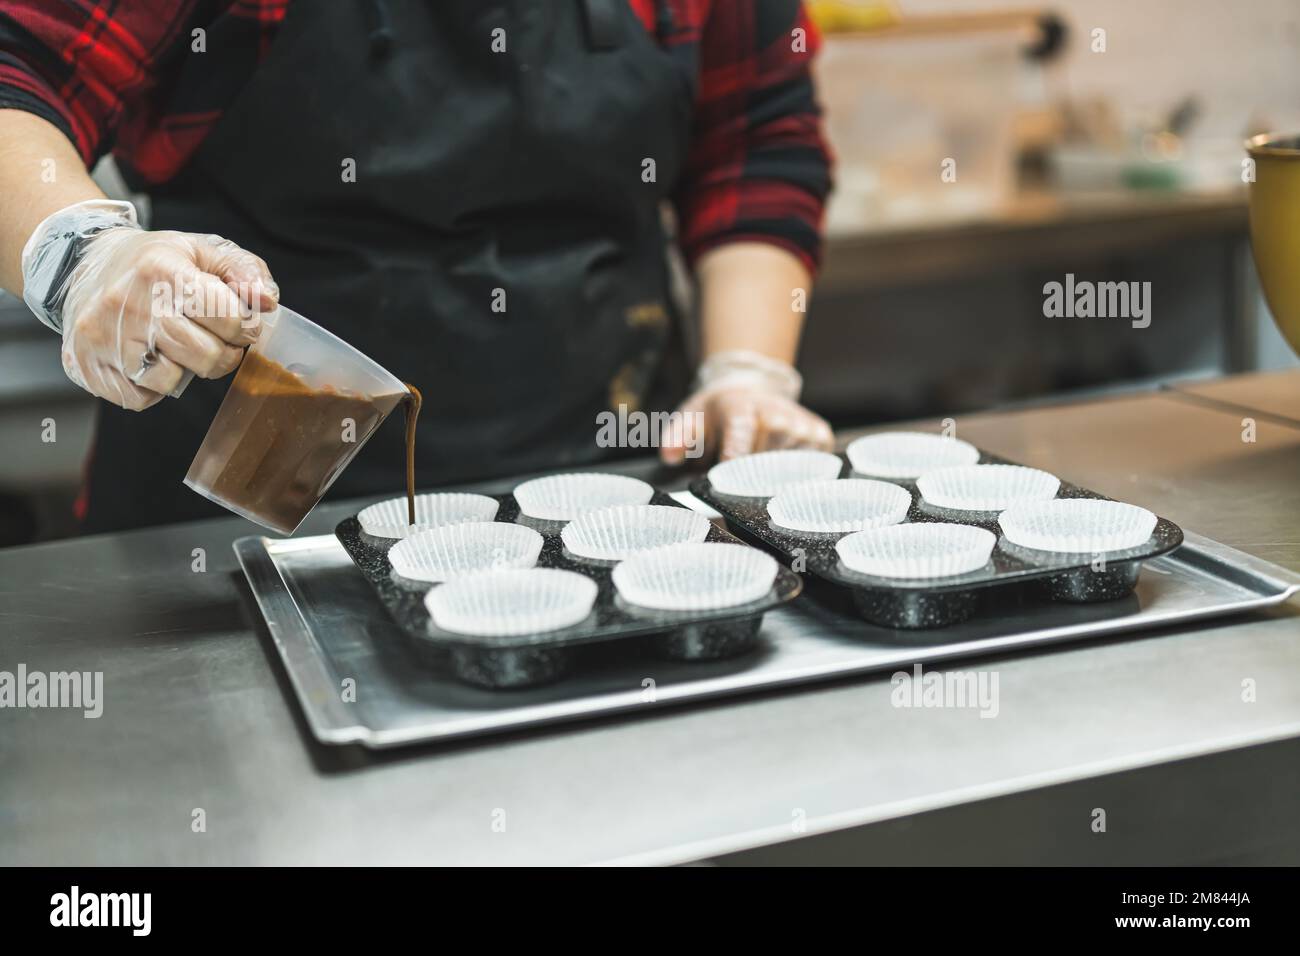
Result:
901,603
532,659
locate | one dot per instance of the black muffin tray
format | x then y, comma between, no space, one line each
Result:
528,660
930,603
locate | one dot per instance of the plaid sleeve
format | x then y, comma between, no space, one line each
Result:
78,63
759,167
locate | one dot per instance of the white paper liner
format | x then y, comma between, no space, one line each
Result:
503,603
564,497
387,519
851,504
612,534
695,577
908,454
986,487
766,473
441,554
1077,525
925,549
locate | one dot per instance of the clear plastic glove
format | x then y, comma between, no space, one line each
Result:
141,312
744,403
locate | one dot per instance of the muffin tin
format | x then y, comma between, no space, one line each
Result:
930,603
526,660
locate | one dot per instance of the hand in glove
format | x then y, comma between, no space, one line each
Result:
744,402
141,312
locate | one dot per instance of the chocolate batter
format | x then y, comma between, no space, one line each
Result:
412,402
277,443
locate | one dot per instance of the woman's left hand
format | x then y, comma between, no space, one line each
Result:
732,420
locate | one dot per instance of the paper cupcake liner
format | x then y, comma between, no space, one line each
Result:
612,534
387,519
922,550
1077,525
766,473
506,603
908,454
695,577
986,487
851,504
564,497
459,549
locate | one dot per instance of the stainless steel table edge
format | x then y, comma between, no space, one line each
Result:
850,819
327,716
1201,551
331,721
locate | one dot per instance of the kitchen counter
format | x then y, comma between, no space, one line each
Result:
1275,394
1153,729
1036,227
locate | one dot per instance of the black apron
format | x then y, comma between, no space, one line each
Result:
499,246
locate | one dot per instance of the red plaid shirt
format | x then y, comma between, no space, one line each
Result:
117,74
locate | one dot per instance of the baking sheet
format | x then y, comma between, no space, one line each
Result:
329,627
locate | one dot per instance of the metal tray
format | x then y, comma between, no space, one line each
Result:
328,626
529,659
888,602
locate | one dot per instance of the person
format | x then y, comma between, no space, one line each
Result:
471,193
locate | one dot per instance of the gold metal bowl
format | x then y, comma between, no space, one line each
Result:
1275,226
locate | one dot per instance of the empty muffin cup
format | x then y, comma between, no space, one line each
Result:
853,504
387,519
612,534
925,549
442,554
1077,525
1083,526
695,577
766,473
986,487
908,454
564,497
512,603
699,577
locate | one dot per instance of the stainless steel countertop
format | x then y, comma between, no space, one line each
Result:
1275,394
198,713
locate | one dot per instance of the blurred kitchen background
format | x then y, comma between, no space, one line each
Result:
1095,137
